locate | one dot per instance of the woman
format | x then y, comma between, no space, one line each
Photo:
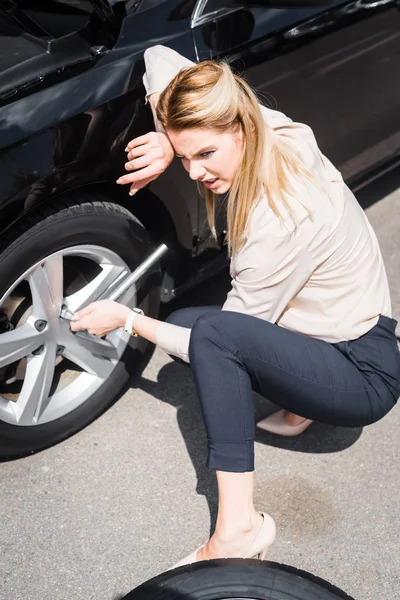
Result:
307,322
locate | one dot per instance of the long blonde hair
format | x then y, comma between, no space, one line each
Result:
210,95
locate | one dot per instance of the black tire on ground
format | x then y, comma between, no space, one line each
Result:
81,219
236,579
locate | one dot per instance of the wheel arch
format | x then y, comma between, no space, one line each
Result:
145,205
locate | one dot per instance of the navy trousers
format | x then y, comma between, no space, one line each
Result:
352,383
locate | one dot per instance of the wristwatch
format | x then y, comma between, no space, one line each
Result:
128,328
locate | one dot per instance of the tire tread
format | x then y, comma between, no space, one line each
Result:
72,205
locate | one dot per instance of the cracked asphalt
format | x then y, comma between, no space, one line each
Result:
128,496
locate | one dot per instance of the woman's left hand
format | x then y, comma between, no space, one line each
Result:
100,318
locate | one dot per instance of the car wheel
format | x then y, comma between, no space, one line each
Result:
236,579
53,382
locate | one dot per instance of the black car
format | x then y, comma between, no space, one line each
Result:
71,97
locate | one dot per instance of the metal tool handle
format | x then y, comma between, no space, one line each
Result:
137,273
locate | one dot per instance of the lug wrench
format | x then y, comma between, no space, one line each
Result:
138,272
108,350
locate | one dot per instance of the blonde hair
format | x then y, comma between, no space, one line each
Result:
210,95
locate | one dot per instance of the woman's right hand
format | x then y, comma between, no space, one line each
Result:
148,156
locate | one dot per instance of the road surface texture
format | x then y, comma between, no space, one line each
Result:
124,499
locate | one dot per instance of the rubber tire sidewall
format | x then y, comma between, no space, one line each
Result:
128,238
236,578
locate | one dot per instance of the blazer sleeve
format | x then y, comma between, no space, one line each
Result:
162,64
174,340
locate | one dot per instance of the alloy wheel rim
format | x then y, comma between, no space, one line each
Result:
62,369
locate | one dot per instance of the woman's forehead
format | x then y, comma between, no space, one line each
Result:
192,140
193,134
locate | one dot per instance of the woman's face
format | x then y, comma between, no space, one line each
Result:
208,155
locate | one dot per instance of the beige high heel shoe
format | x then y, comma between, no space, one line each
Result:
257,549
275,423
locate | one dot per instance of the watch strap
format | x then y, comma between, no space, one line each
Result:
128,328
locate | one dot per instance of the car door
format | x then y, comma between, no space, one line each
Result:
334,66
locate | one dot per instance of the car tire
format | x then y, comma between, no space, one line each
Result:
236,579
81,219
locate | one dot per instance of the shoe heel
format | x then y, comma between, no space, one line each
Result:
269,533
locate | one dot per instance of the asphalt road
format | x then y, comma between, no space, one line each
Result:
124,499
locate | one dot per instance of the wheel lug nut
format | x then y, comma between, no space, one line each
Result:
40,324
60,350
38,350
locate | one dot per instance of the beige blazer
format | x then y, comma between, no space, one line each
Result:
324,279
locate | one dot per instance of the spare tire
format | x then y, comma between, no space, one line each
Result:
236,579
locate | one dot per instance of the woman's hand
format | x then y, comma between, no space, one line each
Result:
100,318
148,155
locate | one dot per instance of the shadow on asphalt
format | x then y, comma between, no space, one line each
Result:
175,386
